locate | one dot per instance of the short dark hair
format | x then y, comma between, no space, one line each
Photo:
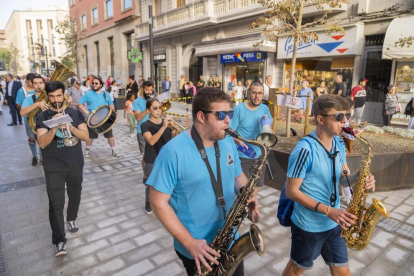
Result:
255,83
132,77
99,79
324,103
147,83
150,101
130,95
52,86
37,76
205,97
30,76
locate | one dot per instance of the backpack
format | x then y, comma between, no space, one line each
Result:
409,108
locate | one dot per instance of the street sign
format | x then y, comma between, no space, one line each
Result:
135,56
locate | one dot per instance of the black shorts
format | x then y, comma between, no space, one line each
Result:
94,135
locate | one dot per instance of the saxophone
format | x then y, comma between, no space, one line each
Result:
358,236
251,241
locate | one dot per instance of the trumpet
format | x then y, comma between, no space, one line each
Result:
173,125
68,139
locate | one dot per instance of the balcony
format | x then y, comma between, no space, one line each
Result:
198,14
311,8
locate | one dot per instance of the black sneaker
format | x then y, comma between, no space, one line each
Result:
20,123
61,249
73,228
41,160
148,209
34,161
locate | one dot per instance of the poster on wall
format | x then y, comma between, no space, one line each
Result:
293,102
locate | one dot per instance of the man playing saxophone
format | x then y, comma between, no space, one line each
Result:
183,194
315,169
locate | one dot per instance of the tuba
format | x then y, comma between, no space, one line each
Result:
358,236
251,241
62,73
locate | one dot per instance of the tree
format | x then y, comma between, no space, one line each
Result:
69,37
5,56
285,18
14,59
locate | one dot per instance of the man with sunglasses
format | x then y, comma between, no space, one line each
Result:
95,99
246,122
316,167
184,177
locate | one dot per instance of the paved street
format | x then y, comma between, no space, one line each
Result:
118,238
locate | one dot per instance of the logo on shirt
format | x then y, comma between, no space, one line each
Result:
230,160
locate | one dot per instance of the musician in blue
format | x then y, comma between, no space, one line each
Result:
96,98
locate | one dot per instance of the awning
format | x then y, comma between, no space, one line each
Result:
400,28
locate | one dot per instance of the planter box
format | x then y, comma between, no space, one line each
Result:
391,170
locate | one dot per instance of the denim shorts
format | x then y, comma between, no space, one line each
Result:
307,246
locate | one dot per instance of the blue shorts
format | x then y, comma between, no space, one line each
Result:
307,246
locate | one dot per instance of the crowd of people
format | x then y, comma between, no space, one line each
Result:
192,203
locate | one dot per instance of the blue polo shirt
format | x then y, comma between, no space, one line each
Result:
180,172
310,161
27,102
95,100
246,123
21,96
140,105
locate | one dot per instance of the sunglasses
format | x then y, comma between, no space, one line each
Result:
221,114
340,116
96,83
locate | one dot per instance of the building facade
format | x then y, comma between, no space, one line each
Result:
33,33
106,34
3,41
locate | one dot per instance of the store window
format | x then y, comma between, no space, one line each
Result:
378,73
404,76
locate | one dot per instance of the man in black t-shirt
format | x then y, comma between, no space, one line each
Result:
62,164
340,88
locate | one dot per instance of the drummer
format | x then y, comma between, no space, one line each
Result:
96,98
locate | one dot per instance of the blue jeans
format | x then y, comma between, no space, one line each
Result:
32,137
116,103
307,246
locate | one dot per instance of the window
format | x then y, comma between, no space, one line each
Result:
94,16
72,2
127,4
158,7
83,22
180,3
112,55
98,59
109,9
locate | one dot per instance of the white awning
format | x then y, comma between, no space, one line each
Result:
400,28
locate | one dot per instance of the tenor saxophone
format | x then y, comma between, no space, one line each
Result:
251,241
358,236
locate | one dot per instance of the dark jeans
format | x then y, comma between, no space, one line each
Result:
55,184
387,119
190,266
15,112
116,104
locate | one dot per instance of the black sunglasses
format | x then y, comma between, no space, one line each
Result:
221,114
339,116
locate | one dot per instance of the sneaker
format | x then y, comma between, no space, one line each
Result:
114,154
132,135
87,153
61,249
34,161
41,160
148,209
73,228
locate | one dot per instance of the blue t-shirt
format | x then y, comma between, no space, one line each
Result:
140,105
21,96
28,102
180,172
315,168
303,93
246,123
95,100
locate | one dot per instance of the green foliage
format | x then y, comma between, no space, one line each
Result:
15,59
5,56
69,37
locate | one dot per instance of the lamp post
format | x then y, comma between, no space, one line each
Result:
151,21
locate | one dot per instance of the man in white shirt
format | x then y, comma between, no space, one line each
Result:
267,85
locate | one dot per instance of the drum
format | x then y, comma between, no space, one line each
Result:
102,119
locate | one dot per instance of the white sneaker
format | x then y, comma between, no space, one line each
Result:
132,135
87,153
61,249
114,154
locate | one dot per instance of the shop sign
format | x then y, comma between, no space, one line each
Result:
134,55
160,58
293,102
241,57
336,44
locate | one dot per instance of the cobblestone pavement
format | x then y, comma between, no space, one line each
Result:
118,238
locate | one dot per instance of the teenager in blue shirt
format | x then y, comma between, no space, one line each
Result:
245,122
317,218
182,194
95,99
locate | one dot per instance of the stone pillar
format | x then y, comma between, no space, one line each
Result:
179,56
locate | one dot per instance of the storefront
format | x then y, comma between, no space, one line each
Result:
160,70
323,59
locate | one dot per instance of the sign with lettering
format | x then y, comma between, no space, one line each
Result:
241,57
335,44
160,58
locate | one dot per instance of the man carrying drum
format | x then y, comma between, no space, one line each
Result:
95,99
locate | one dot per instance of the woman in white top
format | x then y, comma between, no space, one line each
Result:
114,94
239,92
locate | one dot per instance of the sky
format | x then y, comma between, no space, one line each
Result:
8,6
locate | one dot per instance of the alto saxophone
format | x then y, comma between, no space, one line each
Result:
251,241
358,236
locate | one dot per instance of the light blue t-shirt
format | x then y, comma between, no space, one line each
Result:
140,105
95,100
315,168
303,93
27,102
180,172
246,123
21,96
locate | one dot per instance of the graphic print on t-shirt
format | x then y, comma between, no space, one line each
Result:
230,160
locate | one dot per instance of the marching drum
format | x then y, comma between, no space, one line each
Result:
102,119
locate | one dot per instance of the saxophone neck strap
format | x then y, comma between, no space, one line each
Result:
217,184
